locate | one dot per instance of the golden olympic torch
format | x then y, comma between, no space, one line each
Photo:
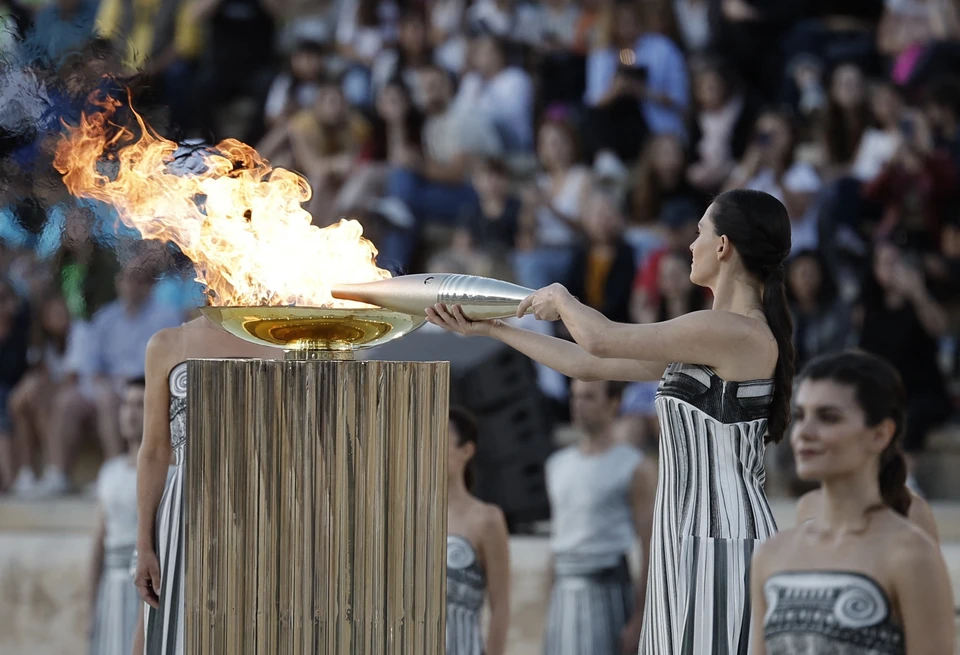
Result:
315,495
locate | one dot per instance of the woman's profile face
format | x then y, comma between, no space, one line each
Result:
830,437
706,264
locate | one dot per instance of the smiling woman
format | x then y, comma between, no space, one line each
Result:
857,575
726,376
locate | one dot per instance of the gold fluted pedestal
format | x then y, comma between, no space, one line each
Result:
315,507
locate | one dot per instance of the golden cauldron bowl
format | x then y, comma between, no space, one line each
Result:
314,332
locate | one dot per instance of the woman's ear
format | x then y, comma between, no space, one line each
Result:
882,434
724,249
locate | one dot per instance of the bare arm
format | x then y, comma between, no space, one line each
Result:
718,339
572,360
922,587
96,568
496,550
153,460
138,645
922,516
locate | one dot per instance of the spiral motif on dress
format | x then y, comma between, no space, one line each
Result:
178,381
859,606
460,553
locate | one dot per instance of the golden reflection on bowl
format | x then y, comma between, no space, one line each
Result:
314,332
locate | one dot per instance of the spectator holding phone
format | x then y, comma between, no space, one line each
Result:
901,322
637,69
770,166
914,187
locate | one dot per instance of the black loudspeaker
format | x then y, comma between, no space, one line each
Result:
499,385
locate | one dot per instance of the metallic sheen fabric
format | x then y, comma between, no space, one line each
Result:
315,507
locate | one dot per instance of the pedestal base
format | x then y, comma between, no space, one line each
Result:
315,507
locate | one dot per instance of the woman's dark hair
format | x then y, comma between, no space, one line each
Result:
880,393
758,226
467,431
841,136
413,124
828,293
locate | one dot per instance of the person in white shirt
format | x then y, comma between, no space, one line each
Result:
498,93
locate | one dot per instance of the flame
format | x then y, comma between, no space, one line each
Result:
240,221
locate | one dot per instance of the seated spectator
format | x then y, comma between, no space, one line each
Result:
721,127
914,188
602,270
942,108
364,28
295,89
32,400
496,17
843,122
659,179
882,136
821,320
900,321
396,142
497,93
678,222
408,59
60,28
552,208
115,351
677,295
770,165
14,341
637,66
693,24
446,33
550,33
323,143
490,227
438,189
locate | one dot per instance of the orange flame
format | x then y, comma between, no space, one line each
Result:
239,221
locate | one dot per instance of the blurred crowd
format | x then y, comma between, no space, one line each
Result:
539,142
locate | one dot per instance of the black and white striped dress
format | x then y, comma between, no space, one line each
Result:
164,626
711,512
466,585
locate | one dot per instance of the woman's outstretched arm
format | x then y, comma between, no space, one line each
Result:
712,338
562,356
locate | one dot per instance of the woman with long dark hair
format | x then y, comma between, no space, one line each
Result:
857,576
726,380
478,552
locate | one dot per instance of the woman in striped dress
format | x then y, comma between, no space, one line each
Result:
478,557
116,605
159,557
726,378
